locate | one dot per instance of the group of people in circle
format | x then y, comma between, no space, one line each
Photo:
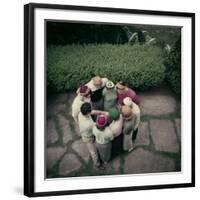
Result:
108,116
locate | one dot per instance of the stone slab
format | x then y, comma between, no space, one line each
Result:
143,135
53,155
178,128
143,161
60,103
61,98
52,135
164,136
157,104
113,166
55,108
81,149
66,129
69,164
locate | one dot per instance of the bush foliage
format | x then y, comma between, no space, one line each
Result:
173,67
72,65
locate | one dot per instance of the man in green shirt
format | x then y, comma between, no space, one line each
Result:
109,96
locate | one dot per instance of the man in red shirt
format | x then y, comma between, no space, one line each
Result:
123,91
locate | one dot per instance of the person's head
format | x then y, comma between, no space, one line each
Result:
101,121
114,114
121,86
97,81
84,90
110,85
86,108
127,112
128,102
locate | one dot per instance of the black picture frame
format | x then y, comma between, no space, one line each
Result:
29,95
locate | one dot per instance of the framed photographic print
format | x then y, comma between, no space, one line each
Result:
109,99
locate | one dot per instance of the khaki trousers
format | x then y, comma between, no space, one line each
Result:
89,141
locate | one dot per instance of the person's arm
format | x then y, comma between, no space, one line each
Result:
132,94
93,131
110,134
136,99
137,121
137,114
104,81
113,128
90,85
75,118
116,127
77,91
75,110
103,92
99,112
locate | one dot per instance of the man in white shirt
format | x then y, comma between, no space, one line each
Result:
136,110
82,97
96,86
86,125
96,83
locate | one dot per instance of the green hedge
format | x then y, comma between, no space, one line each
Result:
70,66
173,67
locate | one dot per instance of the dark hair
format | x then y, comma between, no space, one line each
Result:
86,108
123,83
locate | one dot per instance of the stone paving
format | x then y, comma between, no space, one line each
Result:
156,149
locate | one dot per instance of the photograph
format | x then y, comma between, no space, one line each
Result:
108,99
113,99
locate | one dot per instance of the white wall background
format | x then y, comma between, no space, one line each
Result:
11,99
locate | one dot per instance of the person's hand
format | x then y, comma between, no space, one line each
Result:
77,91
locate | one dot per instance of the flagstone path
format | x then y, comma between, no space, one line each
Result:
156,149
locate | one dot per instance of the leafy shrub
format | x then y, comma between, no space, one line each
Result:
173,67
70,66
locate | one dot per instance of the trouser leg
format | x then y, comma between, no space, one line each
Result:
117,145
93,152
135,132
127,141
104,151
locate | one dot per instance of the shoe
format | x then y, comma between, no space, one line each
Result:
101,167
130,149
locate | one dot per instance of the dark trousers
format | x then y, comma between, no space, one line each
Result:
135,134
117,145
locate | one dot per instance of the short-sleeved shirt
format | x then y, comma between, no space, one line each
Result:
110,98
85,125
77,103
127,93
103,136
